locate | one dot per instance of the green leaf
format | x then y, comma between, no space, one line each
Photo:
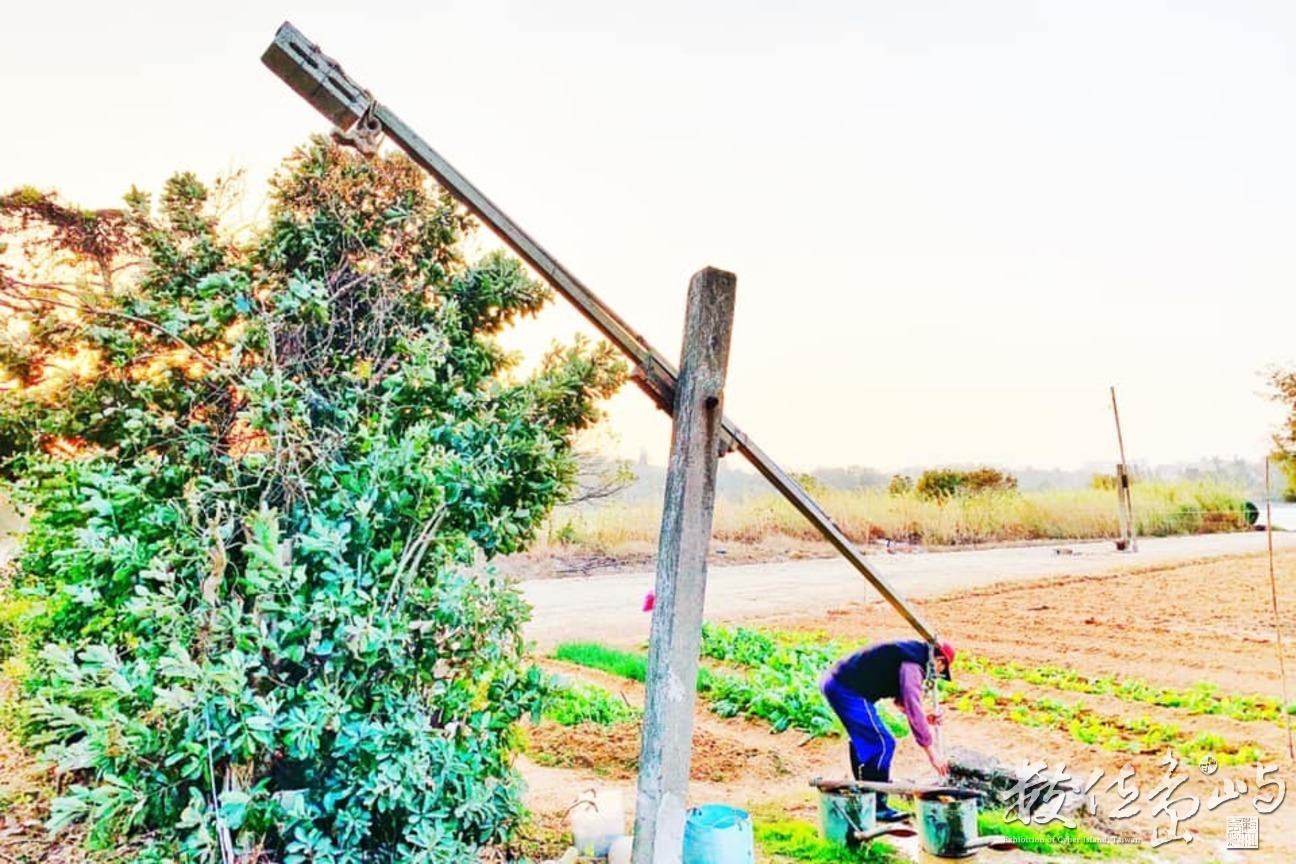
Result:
234,807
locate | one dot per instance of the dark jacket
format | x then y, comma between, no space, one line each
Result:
874,673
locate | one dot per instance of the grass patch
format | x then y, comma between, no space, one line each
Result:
1052,839
794,840
623,664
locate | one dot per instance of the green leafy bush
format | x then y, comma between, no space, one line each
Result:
262,481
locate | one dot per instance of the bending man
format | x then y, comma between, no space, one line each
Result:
891,670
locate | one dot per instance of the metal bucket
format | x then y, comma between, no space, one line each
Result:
844,813
947,823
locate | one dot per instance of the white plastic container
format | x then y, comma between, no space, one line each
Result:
597,818
619,851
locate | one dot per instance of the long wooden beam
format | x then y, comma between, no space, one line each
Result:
319,80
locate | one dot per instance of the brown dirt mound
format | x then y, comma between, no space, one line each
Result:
24,807
613,752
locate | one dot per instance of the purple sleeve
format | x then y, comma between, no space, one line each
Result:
911,681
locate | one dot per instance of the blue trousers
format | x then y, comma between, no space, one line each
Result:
872,744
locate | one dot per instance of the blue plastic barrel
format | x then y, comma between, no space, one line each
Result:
718,834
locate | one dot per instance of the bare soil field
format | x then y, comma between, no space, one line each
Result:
1172,625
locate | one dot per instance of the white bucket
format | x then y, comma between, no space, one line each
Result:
597,818
620,850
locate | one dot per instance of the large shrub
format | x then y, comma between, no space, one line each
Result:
940,484
262,478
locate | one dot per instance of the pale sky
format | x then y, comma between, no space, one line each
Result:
954,225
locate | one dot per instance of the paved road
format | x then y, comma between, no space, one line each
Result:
609,607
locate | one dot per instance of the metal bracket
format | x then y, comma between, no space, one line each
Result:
366,134
659,386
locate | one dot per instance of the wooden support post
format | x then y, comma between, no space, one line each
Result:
1128,542
676,633
1122,517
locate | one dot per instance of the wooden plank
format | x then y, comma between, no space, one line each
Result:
675,640
320,81
817,516
903,789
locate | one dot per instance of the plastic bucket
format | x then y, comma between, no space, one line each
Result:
841,814
718,834
947,822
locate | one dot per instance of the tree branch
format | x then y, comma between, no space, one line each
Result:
95,310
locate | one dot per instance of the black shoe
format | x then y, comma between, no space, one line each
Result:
886,814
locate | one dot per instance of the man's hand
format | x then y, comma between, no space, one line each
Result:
935,719
941,766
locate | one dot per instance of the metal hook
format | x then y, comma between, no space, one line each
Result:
366,134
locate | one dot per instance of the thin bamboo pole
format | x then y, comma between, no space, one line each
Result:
1273,587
